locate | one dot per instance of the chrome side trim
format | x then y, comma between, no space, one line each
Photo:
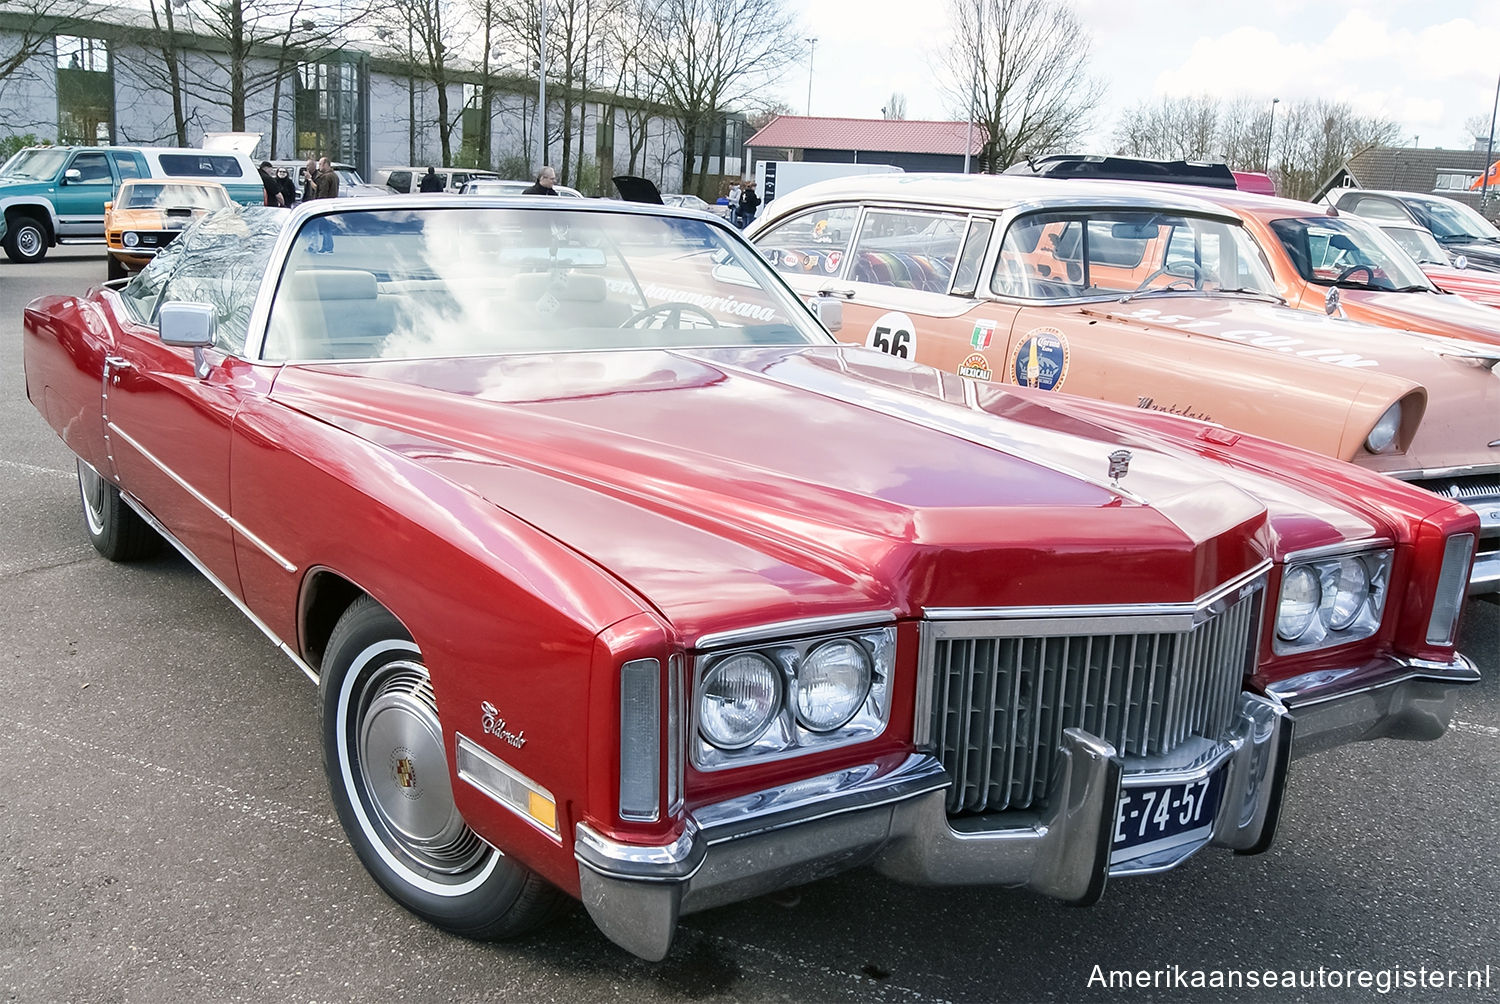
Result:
792,628
166,534
1082,619
205,501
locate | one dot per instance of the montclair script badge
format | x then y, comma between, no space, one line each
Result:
1119,464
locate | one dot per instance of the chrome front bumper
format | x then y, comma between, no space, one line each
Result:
896,818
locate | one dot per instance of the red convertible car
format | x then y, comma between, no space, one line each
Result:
621,580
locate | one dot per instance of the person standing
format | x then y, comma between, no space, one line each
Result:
310,180
545,179
733,199
430,182
285,186
327,182
273,196
749,203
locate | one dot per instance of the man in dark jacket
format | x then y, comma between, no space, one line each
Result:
310,180
545,179
749,203
268,182
430,182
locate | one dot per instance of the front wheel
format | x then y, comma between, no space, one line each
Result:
384,755
116,530
115,268
25,240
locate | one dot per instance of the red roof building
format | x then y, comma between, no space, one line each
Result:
909,145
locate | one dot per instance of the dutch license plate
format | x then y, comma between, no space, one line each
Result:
1153,818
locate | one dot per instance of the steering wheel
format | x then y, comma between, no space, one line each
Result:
1196,278
673,309
1346,273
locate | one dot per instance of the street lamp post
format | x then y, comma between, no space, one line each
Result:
541,90
1270,132
812,50
1489,152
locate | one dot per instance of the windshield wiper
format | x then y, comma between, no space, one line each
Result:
1259,294
1413,288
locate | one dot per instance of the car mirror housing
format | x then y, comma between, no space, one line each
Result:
72,175
189,325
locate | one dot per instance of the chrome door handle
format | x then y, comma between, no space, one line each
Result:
117,362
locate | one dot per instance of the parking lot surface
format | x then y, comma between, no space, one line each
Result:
166,832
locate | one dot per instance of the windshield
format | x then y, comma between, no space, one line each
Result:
348,176
403,283
1420,244
34,165
1347,252
1107,253
1454,220
172,196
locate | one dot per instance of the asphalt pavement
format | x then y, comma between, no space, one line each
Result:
166,832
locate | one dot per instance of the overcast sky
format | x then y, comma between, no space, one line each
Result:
1427,64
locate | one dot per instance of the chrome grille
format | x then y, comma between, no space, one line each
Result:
1003,691
1467,489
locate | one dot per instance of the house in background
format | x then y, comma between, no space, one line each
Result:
1436,171
909,145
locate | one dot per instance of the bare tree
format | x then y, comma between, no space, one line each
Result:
1170,129
1317,138
713,54
1018,68
895,106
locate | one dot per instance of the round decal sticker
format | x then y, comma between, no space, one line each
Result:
1041,359
975,367
831,261
894,334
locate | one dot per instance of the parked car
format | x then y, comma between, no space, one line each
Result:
407,180
1146,296
1457,227
1447,272
682,200
146,216
351,184
490,186
52,193
644,590
1336,263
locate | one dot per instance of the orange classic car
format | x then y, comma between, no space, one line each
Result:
1342,265
148,213
1143,295
1450,272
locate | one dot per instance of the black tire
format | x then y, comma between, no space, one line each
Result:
26,240
115,529
116,269
381,741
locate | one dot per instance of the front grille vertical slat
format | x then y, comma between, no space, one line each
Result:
1002,700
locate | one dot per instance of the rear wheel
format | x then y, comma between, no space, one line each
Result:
384,755
116,530
25,240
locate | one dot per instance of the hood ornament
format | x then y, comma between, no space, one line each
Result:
1119,465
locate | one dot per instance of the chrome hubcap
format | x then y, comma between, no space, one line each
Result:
29,241
404,773
91,487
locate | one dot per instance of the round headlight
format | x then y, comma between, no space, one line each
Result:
741,696
1350,585
1383,436
131,240
1301,595
831,684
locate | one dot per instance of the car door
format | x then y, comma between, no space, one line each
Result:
168,424
80,200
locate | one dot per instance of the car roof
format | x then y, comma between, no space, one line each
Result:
1266,207
996,192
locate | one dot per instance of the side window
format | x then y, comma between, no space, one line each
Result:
126,165
93,169
966,277
199,165
1379,209
221,262
908,250
399,180
814,241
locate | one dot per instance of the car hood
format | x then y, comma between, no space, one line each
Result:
1481,252
793,481
1481,287
1450,316
1462,393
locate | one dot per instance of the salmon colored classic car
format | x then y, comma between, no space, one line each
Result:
649,593
1144,295
148,213
1447,272
1340,264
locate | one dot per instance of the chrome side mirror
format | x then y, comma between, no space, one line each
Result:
189,325
72,176
1333,304
1461,262
829,312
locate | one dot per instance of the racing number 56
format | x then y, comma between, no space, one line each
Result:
895,343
